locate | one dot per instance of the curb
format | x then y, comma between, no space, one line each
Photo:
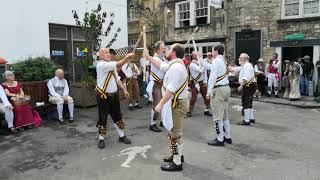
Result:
289,103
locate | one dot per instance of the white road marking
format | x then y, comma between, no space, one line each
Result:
132,152
237,107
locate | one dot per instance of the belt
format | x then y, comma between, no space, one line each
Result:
216,86
111,94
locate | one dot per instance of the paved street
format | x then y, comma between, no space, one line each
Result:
283,144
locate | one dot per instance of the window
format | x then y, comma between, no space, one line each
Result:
58,32
205,50
192,13
184,14
133,16
132,42
201,11
311,6
300,8
291,7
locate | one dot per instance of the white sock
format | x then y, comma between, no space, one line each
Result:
226,125
9,118
101,137
206,110
152,122
71,109
221,134
136,104
60,110
120,131
247,115
177,159
275,92
130,105
251,114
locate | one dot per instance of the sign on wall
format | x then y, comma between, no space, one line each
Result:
215,3
248,41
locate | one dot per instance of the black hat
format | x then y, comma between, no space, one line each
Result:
112,51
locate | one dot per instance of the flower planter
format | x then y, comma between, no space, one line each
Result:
83,96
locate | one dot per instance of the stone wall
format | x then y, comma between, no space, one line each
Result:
264,15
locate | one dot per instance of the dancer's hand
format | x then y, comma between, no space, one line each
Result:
209,96
240,88
146,54
126,94
158,108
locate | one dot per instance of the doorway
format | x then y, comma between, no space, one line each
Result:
293,53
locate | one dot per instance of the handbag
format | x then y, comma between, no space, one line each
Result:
285,81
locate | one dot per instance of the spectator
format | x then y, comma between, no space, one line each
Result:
6,108
318,83
259,70
59,95
292,91
307,71
23,117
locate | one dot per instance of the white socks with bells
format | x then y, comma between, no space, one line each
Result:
177,157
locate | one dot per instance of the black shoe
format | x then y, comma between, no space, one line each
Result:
276,96
216,142
101,144
171,167
207,113
268,95
252,121
124,140
131,108
227,140
170,159
71,120
138,106
149,103
161,124
61,121
154,128
189,114
243,123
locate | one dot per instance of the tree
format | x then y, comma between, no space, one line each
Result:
93,28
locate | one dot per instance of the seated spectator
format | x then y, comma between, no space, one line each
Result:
23,117
6,108
59,95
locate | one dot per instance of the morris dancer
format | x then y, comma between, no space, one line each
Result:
197,83
273,74
175,96
219,93
248,87
108,97
132,72
157,77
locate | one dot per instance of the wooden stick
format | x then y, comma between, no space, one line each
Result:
144,38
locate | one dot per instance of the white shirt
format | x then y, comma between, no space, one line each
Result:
175,77
154,69
143,64
103,69
4,97
246,72
59,83
195,70
207,68
218,68
128,71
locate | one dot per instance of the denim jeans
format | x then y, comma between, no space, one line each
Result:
304,85
144,87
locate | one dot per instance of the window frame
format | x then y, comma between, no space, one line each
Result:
192,11
301,11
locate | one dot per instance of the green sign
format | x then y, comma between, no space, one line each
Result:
297,36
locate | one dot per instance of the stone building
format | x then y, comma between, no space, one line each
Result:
147,13
183,16
261,27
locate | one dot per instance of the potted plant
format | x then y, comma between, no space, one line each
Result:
92,27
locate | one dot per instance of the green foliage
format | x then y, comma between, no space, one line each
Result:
34,69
